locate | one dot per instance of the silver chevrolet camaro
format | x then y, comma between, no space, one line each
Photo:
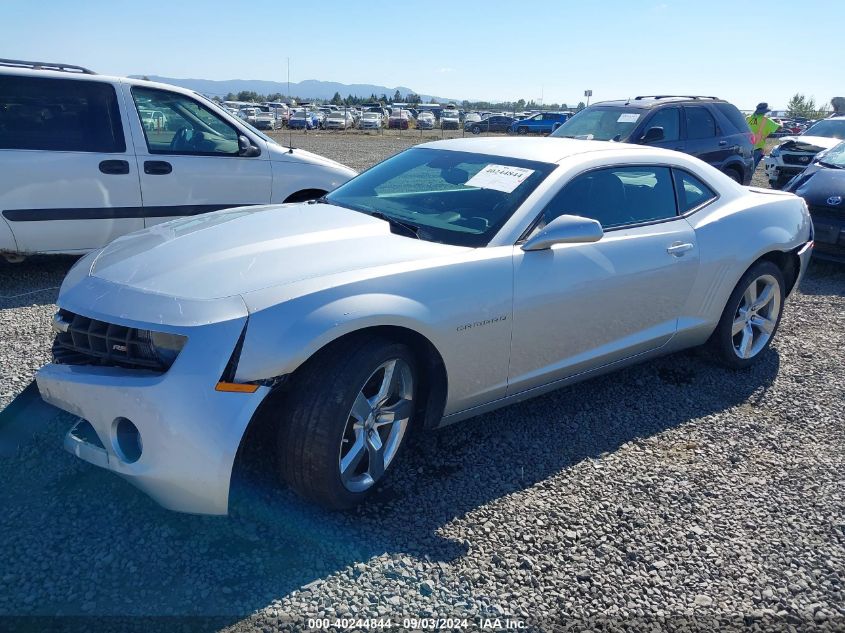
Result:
453,278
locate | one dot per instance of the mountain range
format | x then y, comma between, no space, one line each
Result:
308,89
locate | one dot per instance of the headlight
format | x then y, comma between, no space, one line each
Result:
160,346
775,152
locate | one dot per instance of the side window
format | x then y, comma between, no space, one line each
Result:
59,114
700,123
176,124
617,196
670,120
692,192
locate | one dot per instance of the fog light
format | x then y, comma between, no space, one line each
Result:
127,440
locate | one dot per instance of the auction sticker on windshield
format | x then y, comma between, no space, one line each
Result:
628,117
499,177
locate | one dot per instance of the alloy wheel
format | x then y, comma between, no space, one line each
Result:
756,316
376,425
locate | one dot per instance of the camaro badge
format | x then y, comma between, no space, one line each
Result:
834,200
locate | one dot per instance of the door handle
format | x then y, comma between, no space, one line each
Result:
114,167
679,248
723,142
157,167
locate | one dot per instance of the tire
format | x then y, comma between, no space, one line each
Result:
522,130
475,129
733,174
329,419
730,342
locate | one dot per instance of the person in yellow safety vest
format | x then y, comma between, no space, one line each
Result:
761,127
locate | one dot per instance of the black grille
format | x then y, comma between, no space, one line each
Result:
797,159
91,342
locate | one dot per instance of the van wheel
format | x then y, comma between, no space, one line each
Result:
345,420
305,195
751,316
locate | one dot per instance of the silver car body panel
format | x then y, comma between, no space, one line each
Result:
508,324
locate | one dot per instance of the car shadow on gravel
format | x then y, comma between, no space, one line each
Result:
34,281
824,278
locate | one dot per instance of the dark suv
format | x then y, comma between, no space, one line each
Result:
706,127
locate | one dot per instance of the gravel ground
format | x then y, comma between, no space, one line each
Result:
675,493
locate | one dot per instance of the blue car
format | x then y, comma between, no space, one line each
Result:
303,121
541,123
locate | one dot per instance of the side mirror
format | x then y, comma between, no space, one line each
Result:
556,125
246,148
653,135
565,229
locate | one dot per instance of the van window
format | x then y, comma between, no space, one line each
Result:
176,124
60,115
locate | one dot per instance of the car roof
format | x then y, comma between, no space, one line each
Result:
648,102
543,149
91,76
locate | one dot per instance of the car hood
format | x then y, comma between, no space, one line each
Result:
817,184
803,143
241,250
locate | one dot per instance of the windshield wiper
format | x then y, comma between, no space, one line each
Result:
409,228
831,165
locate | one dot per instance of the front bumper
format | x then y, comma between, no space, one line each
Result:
829,235
189,432
777,170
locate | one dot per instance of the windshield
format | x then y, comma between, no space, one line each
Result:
835,156
601,124
458,198
449,114
371,115
829,128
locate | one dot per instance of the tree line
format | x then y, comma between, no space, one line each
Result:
410,98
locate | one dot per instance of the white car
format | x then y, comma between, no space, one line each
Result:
794,153
339,121
370,121
426,121
452,279
104,156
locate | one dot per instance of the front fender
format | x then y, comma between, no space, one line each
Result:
279,339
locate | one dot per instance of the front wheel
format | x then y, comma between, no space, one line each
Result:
751,316
347,417
522,130
475,129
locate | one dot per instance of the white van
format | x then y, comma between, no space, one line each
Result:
85,158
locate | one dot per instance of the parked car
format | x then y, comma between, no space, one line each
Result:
79,168
706,127
152,120
540,123
426,121
339,121
304,120
370,121
266,120
400,120
495,123
346,323
822,185
472,117
450,120
248,114
794,153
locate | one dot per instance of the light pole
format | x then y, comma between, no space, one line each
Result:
588,94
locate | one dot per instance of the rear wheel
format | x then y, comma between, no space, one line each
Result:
733,174
346,420
522,130
751,316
